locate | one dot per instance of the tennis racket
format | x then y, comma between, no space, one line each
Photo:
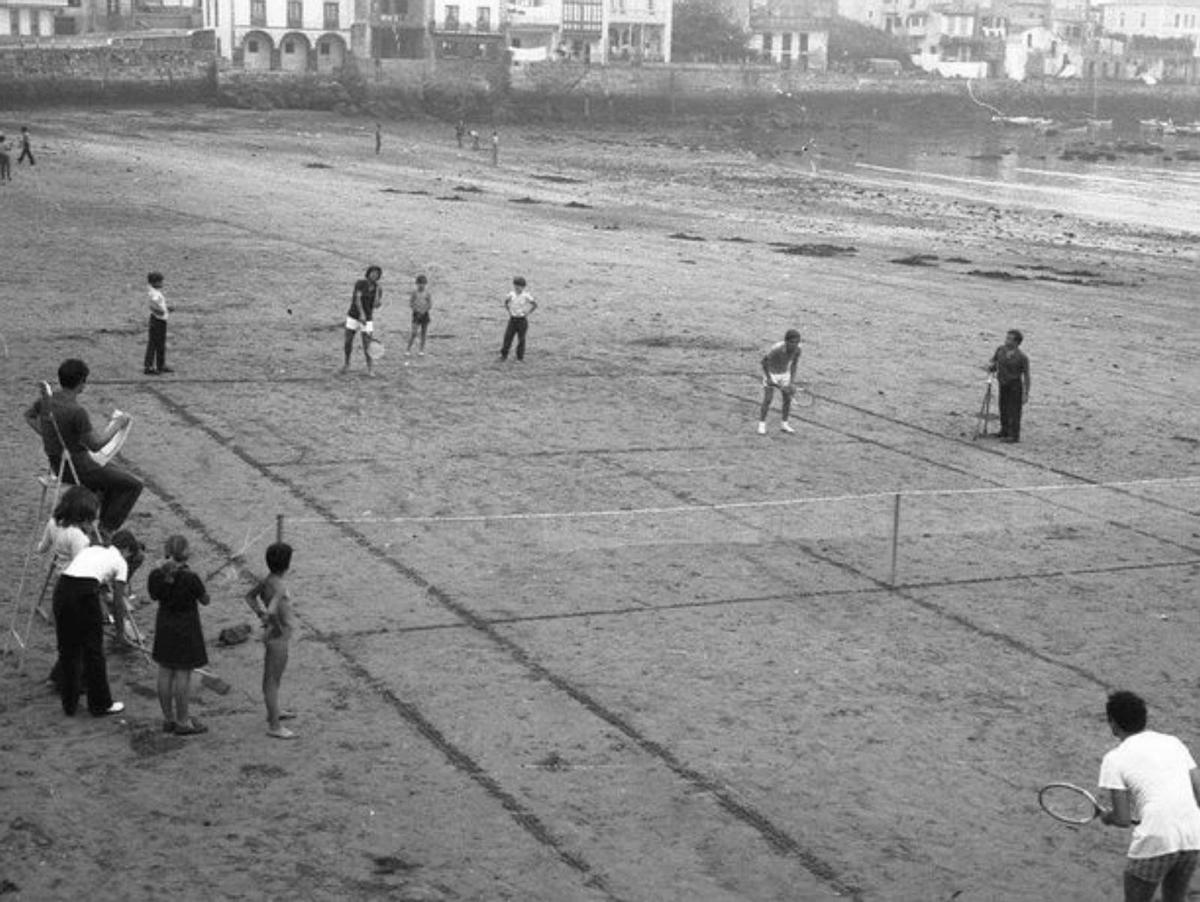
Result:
1069,803
801,396
375,348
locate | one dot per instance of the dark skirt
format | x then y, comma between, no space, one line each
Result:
178,639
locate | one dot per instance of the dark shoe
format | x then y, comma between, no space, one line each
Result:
149,372
166,369
1009,440
169,726
193,728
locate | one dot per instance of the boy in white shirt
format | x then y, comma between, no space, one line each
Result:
519,304
156,343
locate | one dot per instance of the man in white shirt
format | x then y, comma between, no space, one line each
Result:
519,304
1154,787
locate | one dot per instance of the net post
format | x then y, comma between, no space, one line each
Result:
895,537
279,528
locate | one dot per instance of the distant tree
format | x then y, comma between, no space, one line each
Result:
851,43
704,31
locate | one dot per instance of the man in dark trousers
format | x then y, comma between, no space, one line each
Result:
26,149
1011,367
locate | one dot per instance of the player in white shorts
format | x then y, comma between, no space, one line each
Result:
779,372
366,299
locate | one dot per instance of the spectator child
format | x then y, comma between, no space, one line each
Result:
178,637
272,602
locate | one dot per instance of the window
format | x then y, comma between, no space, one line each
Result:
295,14
451,18
35,24
766,43
483,19
331,17
323,49
113,7
786,43
14,21
258,12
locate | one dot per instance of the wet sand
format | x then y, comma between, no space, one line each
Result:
562,639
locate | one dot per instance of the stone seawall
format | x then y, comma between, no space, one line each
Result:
158,72
36,75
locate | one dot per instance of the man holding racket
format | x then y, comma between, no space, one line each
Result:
365,300
1152,778
779,372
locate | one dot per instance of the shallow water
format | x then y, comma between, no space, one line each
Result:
1141,178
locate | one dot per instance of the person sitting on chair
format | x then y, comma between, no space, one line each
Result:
65,427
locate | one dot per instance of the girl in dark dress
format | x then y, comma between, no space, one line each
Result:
178,639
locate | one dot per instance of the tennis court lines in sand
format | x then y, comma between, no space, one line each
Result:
702,681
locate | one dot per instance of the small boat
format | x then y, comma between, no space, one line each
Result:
1191,130
1162,126
1024,121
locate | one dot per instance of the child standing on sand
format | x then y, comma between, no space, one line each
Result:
156,342
272,602
421,302
178,638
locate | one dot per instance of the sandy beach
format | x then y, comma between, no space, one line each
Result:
571,630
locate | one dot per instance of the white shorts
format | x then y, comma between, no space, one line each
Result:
777,380
353,325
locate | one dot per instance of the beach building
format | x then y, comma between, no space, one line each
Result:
467,29
793,34
535,30
281,35
1152,18
22,20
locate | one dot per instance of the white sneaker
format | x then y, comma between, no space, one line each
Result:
762,428
114,708
784,427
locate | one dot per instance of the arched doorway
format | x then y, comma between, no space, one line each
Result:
331,52
293,52
256,51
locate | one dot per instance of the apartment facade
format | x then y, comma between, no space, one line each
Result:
791,33
282,35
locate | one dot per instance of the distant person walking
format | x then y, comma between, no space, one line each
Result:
156,342
779,372
26,148
366,298
519,304
495,148
460,130
378,138
1011,366
5,160
421,302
